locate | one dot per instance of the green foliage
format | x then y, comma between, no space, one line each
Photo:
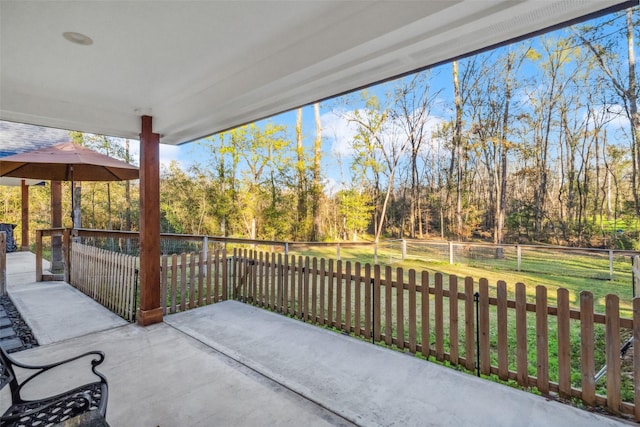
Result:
545,113
355,209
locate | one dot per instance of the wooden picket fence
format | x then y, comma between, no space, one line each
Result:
108,277
553,342
497,330
193,280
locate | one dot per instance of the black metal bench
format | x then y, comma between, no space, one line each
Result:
54,409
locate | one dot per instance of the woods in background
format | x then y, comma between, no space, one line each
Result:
533,142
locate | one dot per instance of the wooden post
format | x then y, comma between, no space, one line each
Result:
439,319
564,343
610,264
484,327
400,308
425,332
25,217
586,348
56,222
453,319
522,361
66,250
38,255
612,351
150,311
404,249
469,324
636,357
542,340
375,253
503,343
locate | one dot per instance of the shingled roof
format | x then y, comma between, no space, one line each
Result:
18,138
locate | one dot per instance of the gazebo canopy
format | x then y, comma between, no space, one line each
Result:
200,67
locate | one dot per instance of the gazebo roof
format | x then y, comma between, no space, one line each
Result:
200,67
18,138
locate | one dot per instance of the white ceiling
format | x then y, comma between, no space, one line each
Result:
200,67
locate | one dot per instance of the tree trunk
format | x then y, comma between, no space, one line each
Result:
457,138
502,187
301,208
317,188
633,107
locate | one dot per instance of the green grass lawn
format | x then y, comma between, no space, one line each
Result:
561,270
558,273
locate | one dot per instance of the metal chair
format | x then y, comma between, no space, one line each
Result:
54,409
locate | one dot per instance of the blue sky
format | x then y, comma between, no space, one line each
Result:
336,131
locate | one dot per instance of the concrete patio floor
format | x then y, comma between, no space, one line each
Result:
230,364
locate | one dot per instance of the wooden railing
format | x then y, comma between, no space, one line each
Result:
554,348
108,277
554,342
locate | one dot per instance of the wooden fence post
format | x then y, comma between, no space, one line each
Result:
503,346
412,311
439,316
400,308
484,327
388,306
404,249
66,251
225,278
376,303
586,344
542,340
610,264
636,357
425,332
453,319
612,343
38,255
522,359
564,343
451,252
469,323
205,246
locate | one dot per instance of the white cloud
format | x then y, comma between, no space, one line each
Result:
169,153
339,131
615,116
614,119
331,186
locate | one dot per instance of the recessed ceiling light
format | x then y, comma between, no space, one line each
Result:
77,38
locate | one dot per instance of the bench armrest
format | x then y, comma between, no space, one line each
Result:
97,360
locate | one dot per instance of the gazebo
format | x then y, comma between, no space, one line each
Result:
174,71
19,138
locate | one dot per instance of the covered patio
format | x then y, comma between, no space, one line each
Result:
174,72
234,364
178,71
